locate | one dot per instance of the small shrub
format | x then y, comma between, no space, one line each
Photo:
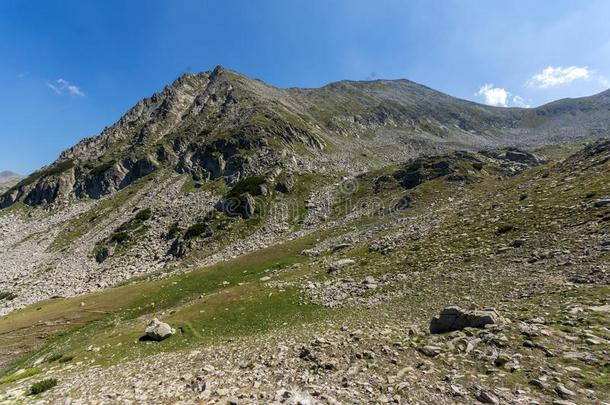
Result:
7,295
478,165
42,386
173,231
522,196
144,215
119,237
504,228
196,230
66,359
590,194
54,357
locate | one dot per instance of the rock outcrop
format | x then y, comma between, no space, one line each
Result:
456,318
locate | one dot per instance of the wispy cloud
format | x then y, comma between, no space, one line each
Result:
520,102
62,86
558,76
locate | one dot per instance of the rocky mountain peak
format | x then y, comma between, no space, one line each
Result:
220,124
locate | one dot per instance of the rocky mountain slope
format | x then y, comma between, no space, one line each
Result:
329,224
174,182
342,313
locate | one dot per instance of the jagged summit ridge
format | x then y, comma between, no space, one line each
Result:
173,101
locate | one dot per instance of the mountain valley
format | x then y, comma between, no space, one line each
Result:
300,241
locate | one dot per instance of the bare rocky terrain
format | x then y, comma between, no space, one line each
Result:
299,242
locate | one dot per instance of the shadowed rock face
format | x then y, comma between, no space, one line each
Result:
119,175
456,318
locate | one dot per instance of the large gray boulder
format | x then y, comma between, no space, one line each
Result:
456,318
158,330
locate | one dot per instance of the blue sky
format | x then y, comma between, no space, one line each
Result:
69,68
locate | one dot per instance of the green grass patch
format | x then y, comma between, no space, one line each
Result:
19,375
251,185
116,309
54,357
215,187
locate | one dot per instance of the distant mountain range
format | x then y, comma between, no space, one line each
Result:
223,125
8,179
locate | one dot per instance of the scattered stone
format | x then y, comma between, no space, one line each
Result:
340,265
157,330
413,330
502,359
487,397
457,390
601,308
197,385
430,351
563,392
539,384
370,282
341,246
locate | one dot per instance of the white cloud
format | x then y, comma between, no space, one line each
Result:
496,96
520,102
499,97
558,76
61,86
